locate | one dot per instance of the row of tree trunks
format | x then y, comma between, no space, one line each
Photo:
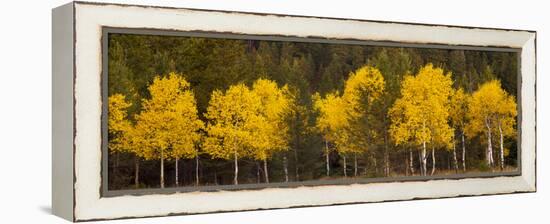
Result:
409,161
137,171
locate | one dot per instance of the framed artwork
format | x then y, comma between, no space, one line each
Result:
166,111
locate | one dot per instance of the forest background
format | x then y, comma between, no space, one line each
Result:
309,70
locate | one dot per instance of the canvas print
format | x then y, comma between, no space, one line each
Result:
190,112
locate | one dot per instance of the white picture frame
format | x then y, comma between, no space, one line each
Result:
77,110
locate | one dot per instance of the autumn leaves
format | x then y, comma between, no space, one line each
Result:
430,112
167,128
241,122
248,122
426,115
341,119
254,121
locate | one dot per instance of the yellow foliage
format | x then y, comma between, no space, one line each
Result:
490,106
365,84
248,122
338,115
459,108
118,125
272,131
168,126
233,116
333,115
421,114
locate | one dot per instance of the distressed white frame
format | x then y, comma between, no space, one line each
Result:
89,20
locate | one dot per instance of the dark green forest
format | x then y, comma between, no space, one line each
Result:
210,64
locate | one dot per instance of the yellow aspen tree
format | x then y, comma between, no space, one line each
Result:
421,114
120,129
332,119
232,116
361,89
168,126
272,131
118,123
491,108
185,132
459,108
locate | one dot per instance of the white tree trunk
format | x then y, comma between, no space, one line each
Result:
355,164
177,177
236,175
411,164
345,172
136,170
424,158
433,161
197,179
266,174
258,170
285,167
489,156
161,168
407,171
455,160
327,158
215,177
463,152
501,147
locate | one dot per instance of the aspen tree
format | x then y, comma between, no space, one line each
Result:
233,117
332,119
421,114
459,108
490,110
272,132
168,127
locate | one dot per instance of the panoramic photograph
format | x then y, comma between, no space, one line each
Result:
209,111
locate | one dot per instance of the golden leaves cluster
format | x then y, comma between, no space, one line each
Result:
491,106
421,114
339,114
168,126
248,122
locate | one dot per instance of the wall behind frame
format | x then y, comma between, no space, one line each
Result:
26,193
